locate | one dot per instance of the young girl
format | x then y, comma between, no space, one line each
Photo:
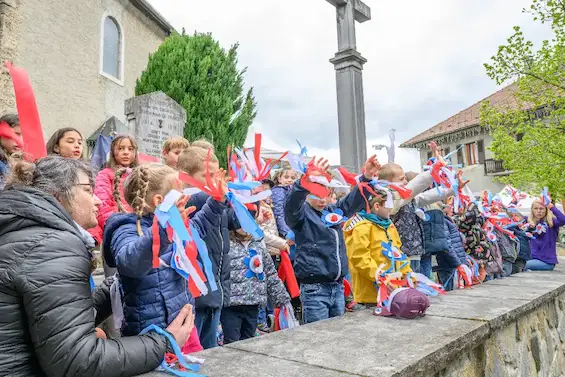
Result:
253,281
123,154
152,295
544,222
8,145
66,142
284,179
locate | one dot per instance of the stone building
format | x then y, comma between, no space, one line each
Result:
83,56
463,133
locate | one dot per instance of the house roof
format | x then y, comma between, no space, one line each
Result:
467,118
153,15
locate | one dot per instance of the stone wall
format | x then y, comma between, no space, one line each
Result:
58,43
512,327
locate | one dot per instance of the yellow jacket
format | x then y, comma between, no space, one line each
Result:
363,240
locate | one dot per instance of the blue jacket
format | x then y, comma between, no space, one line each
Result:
523,243
455,241
150,295
435,237
218,242
3,174
320,251
279,194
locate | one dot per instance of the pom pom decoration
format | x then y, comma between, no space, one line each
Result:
254,263
331,219
32,132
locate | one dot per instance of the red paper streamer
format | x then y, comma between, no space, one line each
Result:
156,246
286,274
209,188
146,159
349,177
32,133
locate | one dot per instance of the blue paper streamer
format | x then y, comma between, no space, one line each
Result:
245,219
178,353
92,284
245,186
205,257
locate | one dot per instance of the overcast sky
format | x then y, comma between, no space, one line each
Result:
424,62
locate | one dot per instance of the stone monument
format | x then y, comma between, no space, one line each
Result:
348,64
153,118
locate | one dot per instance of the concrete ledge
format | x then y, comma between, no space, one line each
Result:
454,337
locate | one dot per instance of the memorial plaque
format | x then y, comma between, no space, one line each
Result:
152,119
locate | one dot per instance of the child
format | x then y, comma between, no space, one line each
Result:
8,145
66,142
253,281
152,295
204,144
109,186
172,149
283,178
544,222
404,215
365,234
321,261
195,161
522,243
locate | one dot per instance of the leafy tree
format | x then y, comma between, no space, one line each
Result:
202,77
530,134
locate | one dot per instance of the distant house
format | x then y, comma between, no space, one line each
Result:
463,133
82,56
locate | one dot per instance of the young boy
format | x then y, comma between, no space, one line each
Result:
364,237
172,149
192,161
321,261
204,144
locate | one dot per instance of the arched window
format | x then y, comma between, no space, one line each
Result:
112,48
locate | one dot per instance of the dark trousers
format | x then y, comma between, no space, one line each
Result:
206,322
239,322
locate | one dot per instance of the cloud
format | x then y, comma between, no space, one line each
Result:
424,61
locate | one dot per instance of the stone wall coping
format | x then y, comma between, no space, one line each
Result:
361,344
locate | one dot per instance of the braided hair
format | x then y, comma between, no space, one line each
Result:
143,182
116,192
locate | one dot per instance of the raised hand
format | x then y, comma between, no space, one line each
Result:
372,167
462,182
221,181
321,166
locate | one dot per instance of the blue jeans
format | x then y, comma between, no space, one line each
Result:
207,321
426,265
415,265
537,265
321,301
263,312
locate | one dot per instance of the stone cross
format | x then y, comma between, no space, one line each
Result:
348,64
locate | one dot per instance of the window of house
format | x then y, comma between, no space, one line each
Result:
471,154
481,151
460,159
111,49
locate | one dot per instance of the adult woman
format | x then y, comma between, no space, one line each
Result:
47,319
66,142
544,222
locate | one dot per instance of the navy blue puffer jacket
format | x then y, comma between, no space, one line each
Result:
435,238
455,241
151,295
320,250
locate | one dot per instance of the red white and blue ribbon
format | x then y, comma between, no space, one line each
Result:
546,200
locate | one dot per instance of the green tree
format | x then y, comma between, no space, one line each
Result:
529,135
203,78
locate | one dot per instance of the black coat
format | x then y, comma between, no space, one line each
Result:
47,315
218,243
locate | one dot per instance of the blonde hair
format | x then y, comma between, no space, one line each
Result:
175,142
141,184
279,173
191,159
204,144
115,144
549,216
389,171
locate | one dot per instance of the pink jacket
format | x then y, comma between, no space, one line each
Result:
268,224
104,190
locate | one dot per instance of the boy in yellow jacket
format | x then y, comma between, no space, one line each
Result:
370,240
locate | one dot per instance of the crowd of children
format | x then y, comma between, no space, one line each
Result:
326,231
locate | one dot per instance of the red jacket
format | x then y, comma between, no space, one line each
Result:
104,190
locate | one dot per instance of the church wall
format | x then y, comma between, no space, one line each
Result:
58,43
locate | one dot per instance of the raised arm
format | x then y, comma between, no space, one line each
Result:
559,217
354,201
55,292
418,185
294,208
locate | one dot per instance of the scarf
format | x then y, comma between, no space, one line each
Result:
375,219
